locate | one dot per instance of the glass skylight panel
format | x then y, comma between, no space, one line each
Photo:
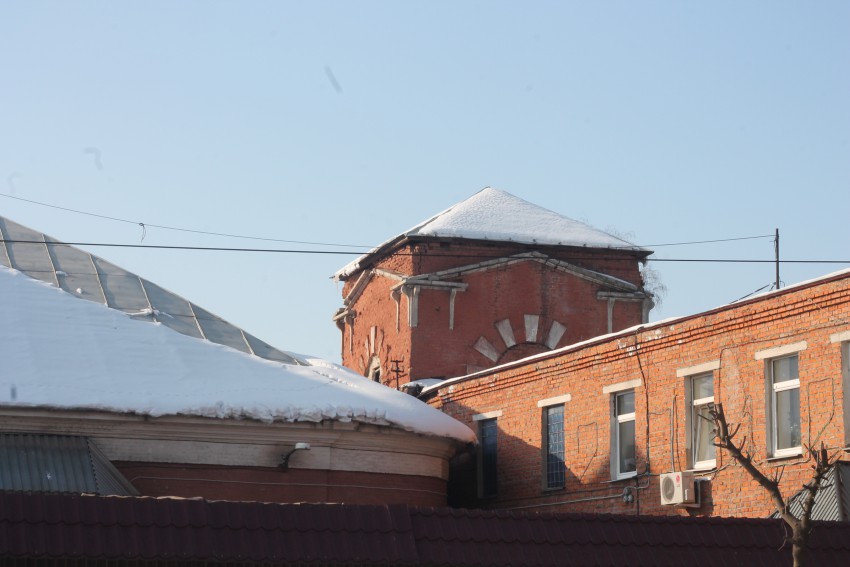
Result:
173,311
32,259
219,331
75,272
122,289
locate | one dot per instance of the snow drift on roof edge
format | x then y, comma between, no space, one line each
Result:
61,352
493,214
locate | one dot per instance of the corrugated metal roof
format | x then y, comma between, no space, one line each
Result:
58,463
89,277
168,531
832,502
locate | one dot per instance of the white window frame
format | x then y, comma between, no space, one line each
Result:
690,373
693,416
611,391
769,356
775,388
842,339
617,421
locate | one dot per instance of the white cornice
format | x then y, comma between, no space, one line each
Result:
560,265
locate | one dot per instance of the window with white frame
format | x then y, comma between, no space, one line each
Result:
842,339
784,406
625,465
553,446
845,383
700,390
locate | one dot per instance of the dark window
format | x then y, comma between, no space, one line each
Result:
488,431
553,429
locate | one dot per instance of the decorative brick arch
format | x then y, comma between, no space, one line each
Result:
530,333
370,360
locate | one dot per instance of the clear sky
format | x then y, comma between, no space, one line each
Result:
349,122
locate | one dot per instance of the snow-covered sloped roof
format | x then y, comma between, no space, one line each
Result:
492,214
89,277
59,351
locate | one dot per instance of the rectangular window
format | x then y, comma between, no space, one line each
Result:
487,433
701,425
842,339
845,383
624,434
784,407
553,446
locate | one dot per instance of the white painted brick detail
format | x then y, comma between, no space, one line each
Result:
486,348
531,324
555,333
507,332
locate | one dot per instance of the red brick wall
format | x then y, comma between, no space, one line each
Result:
433,349
376,308
273,485
732,335
435,256
508,293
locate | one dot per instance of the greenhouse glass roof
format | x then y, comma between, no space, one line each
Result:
94,279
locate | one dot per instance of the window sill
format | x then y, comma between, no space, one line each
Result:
703,470
797,453
547,490
621,478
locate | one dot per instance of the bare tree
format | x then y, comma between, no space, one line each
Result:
801,527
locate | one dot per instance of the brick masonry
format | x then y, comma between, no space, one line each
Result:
816,314
442,341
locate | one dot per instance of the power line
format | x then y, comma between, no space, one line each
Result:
165,247
346,252
700,241
145,225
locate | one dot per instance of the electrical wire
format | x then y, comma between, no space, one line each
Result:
149,225
346,252
697,242
146,225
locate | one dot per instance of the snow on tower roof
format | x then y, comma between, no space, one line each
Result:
492,214
59,351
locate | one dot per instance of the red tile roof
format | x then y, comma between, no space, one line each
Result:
66,527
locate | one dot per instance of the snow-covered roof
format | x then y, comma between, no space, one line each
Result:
89,277
58,351
496,215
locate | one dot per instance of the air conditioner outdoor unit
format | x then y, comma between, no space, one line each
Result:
678,488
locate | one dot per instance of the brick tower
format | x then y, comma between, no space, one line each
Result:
489,280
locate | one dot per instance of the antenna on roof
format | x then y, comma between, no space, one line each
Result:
776,250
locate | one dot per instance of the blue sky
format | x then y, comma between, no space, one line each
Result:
348,122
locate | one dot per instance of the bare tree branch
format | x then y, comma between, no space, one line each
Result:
800,527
